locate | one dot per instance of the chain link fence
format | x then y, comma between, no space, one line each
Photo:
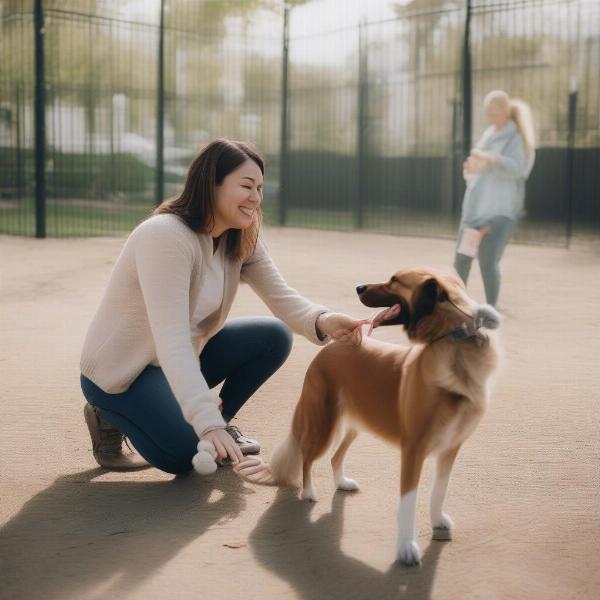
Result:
364,125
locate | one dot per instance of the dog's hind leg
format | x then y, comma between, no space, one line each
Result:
440,521
308,492
319,442
337,463
315,421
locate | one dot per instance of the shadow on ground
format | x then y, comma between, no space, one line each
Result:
307,554
80,535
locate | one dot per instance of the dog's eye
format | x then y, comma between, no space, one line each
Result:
394,279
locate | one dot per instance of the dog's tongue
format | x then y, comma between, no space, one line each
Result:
385,315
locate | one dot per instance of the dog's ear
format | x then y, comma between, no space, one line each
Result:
426,296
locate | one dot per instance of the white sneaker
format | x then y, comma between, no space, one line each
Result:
247,445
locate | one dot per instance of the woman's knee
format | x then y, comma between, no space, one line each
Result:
181,453
176,463
177,468
488,259
490,274
279,337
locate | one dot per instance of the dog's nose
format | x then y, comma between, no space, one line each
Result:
360,288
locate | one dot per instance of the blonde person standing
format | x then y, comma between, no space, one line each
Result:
161,341
495,172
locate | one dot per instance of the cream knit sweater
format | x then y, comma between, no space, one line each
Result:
146,314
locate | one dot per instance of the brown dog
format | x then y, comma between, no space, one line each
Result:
426,398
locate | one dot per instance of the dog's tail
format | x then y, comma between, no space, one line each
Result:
284,468
286,462
313,425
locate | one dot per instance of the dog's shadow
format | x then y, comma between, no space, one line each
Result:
80,536
308,555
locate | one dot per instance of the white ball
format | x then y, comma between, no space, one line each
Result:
206,446
204,461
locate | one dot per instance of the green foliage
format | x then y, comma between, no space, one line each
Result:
68,219
79,175
98,175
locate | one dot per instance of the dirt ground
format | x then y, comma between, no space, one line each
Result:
524,493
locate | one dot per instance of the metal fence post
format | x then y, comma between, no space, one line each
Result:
40,122
362,125
283,146
570,167
160,111
467,83
575,62
456,161
19,142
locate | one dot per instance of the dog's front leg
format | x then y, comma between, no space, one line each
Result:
440,521
408,552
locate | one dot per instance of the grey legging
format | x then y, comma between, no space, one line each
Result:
244,354
490,252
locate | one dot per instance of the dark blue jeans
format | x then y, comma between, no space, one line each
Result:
244,354
490,252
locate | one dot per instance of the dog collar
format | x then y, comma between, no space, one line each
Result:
467,331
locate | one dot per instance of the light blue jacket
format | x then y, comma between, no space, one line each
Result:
500,189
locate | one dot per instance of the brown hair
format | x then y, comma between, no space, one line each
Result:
196,203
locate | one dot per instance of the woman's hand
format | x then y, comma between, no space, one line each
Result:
340,327
485,159
473,166
224,445
477,162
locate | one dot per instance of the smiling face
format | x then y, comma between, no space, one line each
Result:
422,296
237,198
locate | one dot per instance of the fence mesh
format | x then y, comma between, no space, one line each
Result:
372,95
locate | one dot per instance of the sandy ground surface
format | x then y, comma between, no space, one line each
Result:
524,493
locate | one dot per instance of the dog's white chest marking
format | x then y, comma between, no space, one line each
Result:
468,377
457,430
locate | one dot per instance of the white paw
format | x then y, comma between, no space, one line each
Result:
409,553
347,484
442,528
308,494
